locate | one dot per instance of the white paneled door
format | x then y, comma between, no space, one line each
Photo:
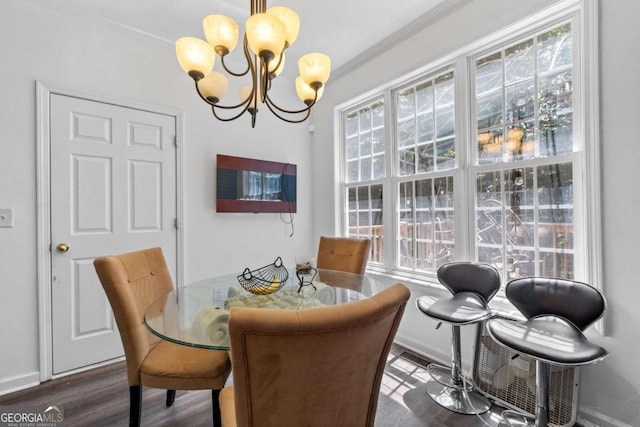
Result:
113,190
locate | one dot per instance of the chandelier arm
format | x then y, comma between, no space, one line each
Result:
279,59
200,94
244,73
270,103
247,56
256,69
264,76
226,107
266,86
228,119
271,106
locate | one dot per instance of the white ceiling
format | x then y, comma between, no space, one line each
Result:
342,29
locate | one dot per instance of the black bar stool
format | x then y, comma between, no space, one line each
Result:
472,286
556,312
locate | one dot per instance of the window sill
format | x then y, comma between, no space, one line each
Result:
499,305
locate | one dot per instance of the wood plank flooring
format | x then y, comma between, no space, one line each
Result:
100,397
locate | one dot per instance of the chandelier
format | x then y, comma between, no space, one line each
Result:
268,33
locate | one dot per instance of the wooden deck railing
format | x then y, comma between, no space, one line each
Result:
555,243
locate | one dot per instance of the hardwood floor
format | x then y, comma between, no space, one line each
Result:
100,397
403,401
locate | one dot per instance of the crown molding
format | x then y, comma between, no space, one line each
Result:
445,8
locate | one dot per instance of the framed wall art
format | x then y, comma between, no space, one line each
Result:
251,185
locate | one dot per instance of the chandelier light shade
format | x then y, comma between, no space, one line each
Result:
268,33
221,33
306,93
213,86
246,94
315,68
195,57
290,20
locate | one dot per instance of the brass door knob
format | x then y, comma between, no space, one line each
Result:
62,247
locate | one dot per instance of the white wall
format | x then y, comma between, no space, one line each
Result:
96,58
609,389
78,53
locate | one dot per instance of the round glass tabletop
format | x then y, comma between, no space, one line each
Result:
197,315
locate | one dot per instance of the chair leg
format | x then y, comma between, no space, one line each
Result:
135,405
171,397
447,386
217,418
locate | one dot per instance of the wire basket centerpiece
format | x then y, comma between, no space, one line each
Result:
264,280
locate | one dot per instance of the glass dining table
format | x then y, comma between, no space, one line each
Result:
197,315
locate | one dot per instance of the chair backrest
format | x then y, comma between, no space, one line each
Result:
133,281
579,303
343,254
315,367
483,279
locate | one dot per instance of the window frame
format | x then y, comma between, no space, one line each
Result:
582,14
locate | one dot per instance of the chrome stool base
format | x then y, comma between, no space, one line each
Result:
516,419
457,398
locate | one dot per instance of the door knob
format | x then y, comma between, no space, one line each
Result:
62,247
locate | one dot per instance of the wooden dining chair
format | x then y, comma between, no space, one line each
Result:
343,254
133,281
315,367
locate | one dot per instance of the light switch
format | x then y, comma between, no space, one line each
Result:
6,217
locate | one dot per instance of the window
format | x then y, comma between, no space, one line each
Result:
489,168
365,170
425,134
525,156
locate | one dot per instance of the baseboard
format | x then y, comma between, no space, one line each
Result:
590,418
419,348
89,367
19,382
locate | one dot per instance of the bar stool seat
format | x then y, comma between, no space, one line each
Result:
462,308
472,286
549,338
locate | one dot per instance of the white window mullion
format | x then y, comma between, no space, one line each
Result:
536,220
463,177
390,185
503,221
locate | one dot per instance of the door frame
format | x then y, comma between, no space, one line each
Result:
43,208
